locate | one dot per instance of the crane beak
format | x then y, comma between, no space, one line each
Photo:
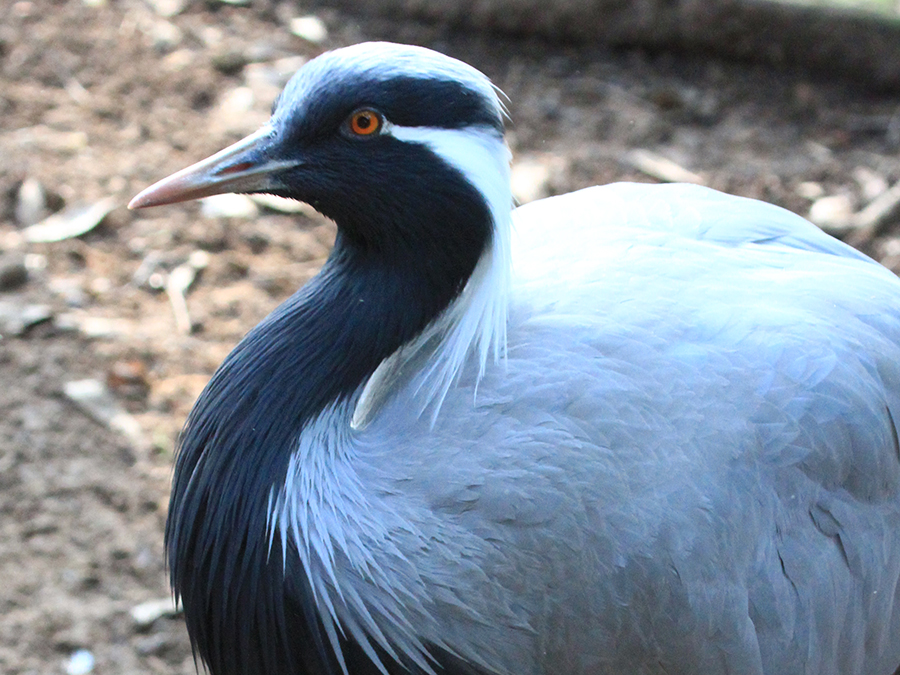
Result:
243,167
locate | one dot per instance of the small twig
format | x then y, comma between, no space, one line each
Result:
69,223
177,285
661,168
870,220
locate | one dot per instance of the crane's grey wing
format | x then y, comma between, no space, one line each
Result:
689,461
625,212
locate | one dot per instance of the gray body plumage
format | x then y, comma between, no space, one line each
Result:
688,462
683,457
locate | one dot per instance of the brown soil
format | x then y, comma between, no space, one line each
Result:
100,99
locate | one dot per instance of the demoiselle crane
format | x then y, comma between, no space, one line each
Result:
646,429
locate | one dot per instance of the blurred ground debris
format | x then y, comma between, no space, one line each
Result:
858,40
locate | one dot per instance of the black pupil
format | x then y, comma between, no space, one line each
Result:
364,121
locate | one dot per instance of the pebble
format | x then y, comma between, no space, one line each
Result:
872,184
16,318
166,36
23,9
810,190
199,260
530,180
228,206
31,202
833,213
13,271
94,326
282,204
155,644
100,285
167,8
81,662
229,62
47,138
35,262
310,28
146,613
178,60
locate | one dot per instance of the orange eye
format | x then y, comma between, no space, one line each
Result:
365,122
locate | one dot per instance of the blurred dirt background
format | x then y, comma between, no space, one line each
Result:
112,321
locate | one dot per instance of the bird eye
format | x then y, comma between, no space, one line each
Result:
365,122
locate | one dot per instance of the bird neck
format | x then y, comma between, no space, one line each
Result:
312,353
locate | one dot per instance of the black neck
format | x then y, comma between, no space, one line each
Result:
317,348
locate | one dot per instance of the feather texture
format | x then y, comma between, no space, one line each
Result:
688,462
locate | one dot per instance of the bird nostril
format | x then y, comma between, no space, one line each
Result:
235,168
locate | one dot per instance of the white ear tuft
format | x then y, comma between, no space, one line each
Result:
476,320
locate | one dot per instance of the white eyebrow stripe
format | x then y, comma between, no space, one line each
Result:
476,321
